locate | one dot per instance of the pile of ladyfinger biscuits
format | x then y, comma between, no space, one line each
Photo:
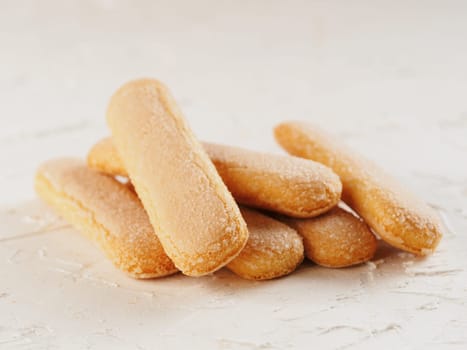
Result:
158,201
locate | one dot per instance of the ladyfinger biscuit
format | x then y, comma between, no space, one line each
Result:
104,157
288,185
391,211
273,249
335,239
107,212
191,210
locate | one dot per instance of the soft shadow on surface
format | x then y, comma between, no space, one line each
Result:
385,251
45,240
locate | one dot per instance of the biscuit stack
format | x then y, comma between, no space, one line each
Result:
158,201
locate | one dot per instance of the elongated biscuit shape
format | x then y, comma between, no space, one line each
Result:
391,211
335,239
191,210
273,249
107,212
288,185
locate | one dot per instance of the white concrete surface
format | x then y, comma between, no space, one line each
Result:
389,78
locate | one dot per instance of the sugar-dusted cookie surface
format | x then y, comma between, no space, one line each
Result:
390,210
194,215
273,249
107,212
336,238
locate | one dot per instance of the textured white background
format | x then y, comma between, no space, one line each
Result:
388,77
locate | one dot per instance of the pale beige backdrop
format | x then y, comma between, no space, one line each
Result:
388,77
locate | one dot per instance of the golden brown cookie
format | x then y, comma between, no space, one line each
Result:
273,249
107,212
335,239
194,215
396,215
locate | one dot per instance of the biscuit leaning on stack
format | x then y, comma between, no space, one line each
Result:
191,210
395,214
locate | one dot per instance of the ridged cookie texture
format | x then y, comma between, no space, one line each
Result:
105,211
194,215
273,249
390,210
288,185
335,239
